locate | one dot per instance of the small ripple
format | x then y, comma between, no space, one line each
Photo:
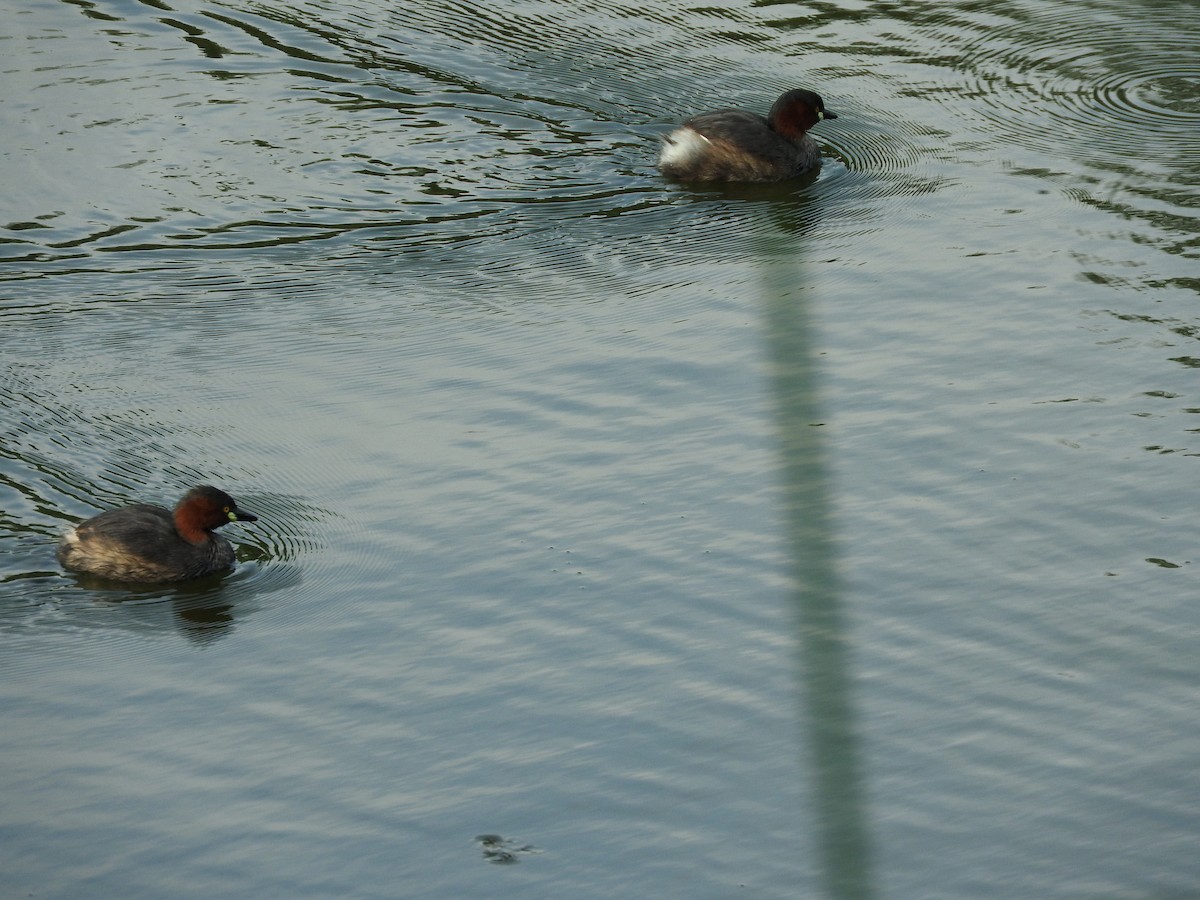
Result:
1130,82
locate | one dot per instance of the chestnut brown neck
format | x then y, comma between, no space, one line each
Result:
194,523
794,121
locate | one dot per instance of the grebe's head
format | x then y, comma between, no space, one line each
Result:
204,508
796,111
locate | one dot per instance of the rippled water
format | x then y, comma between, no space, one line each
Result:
618,537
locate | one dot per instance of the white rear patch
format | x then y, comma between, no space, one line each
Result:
682,146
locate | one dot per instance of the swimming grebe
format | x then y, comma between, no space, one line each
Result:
738,145
153,544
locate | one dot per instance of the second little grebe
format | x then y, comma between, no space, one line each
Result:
147,543
738,145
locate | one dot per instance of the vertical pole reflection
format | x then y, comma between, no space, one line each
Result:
828,714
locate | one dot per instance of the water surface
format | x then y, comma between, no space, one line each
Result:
830,538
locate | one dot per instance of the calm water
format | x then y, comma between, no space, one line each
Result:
618,538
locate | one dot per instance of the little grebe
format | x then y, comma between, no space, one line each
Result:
153,544
737,145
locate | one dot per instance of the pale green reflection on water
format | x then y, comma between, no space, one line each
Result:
831,724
